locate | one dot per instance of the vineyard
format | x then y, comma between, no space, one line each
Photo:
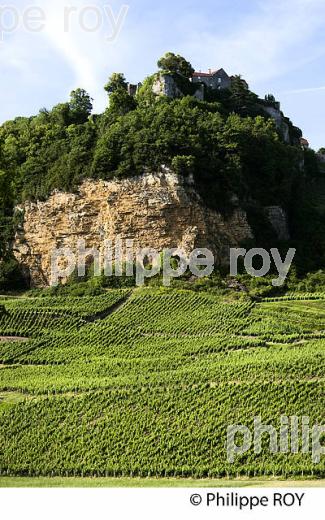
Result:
146,382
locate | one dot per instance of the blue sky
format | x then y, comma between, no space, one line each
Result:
277,45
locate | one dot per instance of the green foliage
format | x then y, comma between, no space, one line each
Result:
241,97
120,102
228,153
269,101
176,64
237,155
115,83
308,224
46,152
185,85
311,163
227,143
150,389
80,105
10,274
145,96
76,111
183,164
311,283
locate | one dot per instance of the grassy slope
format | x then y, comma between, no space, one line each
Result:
150,389
75,482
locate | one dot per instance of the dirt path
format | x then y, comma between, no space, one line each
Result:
11,339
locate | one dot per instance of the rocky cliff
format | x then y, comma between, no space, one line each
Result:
155,210
280,121
279,221
165,85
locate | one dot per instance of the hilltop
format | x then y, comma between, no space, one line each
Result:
238,152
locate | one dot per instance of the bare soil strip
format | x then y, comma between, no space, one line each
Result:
7,339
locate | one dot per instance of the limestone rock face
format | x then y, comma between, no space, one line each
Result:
280,122
165,86
278,220
155,210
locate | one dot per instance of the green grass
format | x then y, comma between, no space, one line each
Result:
146,387
74,482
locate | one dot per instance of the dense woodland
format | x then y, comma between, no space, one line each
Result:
228,143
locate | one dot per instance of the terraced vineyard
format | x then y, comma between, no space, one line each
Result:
145,383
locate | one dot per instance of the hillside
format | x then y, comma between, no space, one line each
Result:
239,151
101,378
150,388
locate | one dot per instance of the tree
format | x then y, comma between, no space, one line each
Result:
183,164
120,101
176,64
80,105
76,111
116,83
5,193
270,98
321,151
61,114
241,96
10,274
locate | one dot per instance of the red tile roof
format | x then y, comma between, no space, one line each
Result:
206,74
202,74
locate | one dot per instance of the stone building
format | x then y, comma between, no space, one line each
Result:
133,89
304,143
217,80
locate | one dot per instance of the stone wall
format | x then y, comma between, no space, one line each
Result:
155,210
